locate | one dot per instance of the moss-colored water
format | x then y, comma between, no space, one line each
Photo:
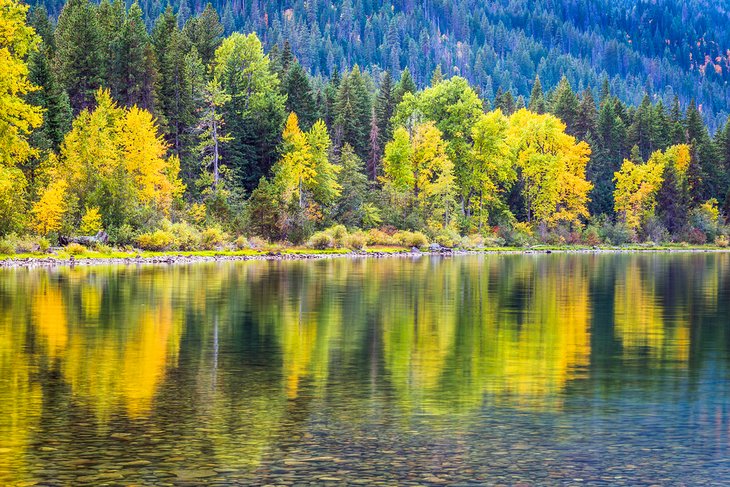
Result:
474,369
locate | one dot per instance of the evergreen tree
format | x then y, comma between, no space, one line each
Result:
299,97
537,98
79,53
405,85
205,33
136,71
50,96
353,108
255,114
586,117
348,208
565,105
384,109
175,89
714,179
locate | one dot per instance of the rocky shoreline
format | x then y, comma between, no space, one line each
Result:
182,259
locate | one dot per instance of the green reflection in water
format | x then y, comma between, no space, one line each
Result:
224,364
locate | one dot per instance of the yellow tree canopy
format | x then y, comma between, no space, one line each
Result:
553,167
17,117
636,188
49,210
115,160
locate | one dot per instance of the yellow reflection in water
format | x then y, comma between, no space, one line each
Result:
640,323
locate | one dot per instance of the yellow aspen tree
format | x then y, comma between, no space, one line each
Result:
636,189
296,167
17,117
552,165
49,210
144,158
434,175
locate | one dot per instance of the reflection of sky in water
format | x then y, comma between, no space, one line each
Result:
493,369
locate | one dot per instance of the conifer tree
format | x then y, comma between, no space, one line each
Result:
205,32
384,109
537,97
353,107
299,97
565,105
79,53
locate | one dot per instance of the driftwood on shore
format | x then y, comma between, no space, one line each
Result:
87,240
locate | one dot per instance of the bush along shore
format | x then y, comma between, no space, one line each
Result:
173,248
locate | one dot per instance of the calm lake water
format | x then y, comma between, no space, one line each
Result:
472,370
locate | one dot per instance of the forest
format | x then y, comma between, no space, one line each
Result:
188,131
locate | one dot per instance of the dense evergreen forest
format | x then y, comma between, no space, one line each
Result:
663,48
351,124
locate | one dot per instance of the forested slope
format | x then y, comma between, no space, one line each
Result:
660,47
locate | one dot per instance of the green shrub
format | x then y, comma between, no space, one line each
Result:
123,235
411,239
356,241
75,248
447,238
376,236
7,246
321,241
338,234
43,244
212,238
104,249
517,235
185,236
241,243
26,245
591,235
156,241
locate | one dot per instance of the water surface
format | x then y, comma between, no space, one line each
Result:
473,370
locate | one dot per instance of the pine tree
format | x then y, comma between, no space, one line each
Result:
586,117
714,179
405,85
384,108
110,18
175,91
79,53
133,66
211,134
348,208
205,33
353,108
375,149
565,105
299,97
537,97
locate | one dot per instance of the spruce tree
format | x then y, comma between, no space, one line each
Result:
79,56
384,108
537,97
205,33
565,105
586,117
353,113
405,85
300,99
133,64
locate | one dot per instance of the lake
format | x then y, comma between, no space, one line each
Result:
603,369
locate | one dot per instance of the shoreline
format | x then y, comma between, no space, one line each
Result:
183,258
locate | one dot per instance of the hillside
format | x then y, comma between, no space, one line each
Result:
660,47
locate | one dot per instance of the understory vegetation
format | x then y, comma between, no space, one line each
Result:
181,139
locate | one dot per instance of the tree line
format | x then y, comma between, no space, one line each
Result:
111,125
